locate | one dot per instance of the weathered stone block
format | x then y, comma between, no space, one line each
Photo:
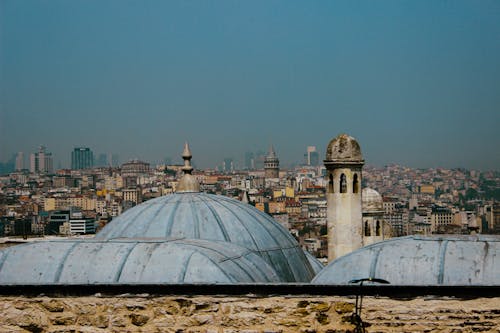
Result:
118,321
169,307
212,330
30,319
302,304
135,306
83,308
196,330
200,320
481,329
308,330
53,305
11,329
289,322
302,312
274,309
138,319
206,307
64,319
343,307
184,303
21,305
226,308
243,319
101,321
322,318
320,307
163,321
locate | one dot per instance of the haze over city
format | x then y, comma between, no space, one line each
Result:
417,82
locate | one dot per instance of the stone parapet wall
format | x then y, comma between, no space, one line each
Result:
244,314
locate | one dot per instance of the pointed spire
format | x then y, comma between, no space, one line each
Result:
186,156
271,151
188,182
245,198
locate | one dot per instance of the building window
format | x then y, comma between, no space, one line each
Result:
367,229
377,229
355,184
343,184
330,184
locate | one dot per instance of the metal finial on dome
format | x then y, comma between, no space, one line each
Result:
186,156
245,198
188,182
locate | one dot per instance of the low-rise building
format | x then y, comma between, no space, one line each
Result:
80,225
441,219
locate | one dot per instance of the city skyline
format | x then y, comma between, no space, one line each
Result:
106,159
416,82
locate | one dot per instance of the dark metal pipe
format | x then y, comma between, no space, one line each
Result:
252,290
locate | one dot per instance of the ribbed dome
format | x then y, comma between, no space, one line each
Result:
371,200
131,261
413,260
217,218
344,148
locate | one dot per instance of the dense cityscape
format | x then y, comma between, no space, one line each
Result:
37,200
249,166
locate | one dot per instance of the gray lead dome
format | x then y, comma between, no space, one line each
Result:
214,218
131,262
414,260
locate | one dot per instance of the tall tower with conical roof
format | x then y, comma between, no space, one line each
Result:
272,164
344,163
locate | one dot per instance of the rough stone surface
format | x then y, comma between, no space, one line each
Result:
244,314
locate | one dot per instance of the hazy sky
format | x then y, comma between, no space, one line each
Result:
416,82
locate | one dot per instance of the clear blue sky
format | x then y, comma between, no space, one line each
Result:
416,82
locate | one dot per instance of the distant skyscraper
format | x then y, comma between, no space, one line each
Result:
107,160
102,160
115,160
271,164
249,160
260,157
82,158
228,165
19,161
41,161
312,156
33,162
